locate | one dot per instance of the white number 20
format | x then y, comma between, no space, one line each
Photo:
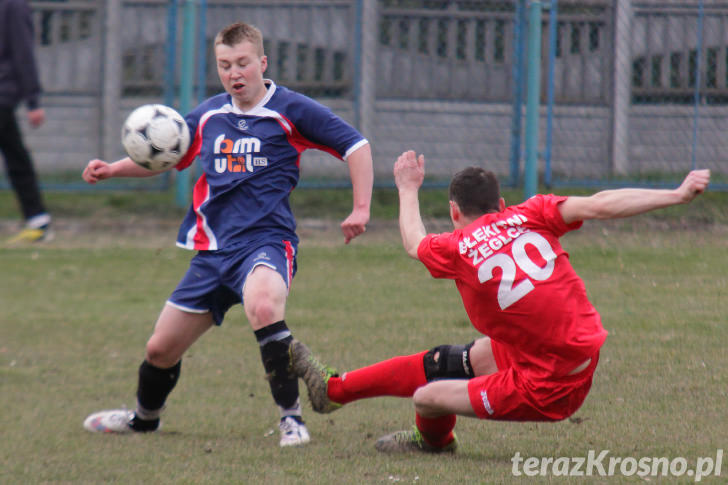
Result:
508,292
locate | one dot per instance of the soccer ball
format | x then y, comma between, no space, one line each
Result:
155,136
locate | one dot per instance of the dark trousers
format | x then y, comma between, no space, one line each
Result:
19,165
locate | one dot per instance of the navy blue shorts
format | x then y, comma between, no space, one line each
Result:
215,279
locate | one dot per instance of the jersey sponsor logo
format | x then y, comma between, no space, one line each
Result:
484,240
238,156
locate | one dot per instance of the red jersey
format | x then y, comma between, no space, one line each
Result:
518,286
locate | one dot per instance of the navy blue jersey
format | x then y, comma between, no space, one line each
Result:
250,164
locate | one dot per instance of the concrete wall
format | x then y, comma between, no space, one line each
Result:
432,112
451,135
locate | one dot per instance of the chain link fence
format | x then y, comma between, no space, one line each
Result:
631,92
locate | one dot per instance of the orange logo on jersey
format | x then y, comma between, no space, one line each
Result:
237,156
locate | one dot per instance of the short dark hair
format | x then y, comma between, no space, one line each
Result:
238,32
476,191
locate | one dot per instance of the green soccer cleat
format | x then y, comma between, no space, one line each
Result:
409,441
316,376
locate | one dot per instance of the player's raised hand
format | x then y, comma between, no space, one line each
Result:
694,184
96,170
355,224
409,170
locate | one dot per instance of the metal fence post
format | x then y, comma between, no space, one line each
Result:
202,53
186,88
356,81
533,99
519,43
367,94
111,85
553,33
622,91
698,81
170,54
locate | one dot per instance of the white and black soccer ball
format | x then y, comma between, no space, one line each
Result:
155,136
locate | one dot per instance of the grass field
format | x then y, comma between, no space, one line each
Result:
75,315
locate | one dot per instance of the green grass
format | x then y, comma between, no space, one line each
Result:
76,314
318,203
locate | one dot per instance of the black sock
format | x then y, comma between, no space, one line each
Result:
155,384
138,424
274,341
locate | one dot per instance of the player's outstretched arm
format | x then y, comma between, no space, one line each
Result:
97,170
361,171
613,204
409,173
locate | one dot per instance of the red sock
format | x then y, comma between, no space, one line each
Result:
436,431
398,376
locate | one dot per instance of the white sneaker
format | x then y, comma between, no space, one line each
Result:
293,432
111,421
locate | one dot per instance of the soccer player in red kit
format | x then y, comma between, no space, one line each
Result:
518,287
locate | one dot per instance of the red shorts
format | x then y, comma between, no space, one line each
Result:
509,395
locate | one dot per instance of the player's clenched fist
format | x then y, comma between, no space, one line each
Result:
694,184
96,170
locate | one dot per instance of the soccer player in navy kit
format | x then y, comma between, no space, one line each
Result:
249,141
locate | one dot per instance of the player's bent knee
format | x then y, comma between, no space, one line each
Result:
264,303
160,354
426,401
263,311
420,399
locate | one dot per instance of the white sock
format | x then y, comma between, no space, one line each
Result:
36,222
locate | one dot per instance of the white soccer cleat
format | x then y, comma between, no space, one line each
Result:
110,421
293,432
